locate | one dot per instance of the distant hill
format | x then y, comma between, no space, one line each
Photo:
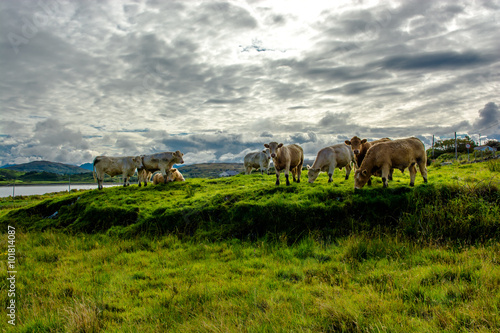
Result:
209,170
87,166
46,166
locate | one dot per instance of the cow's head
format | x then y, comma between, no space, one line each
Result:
267,152
178,157
312,174
137,160
171,175
355,144
361,177
273,148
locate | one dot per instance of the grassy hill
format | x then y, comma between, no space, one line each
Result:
209,170
243,255
249,207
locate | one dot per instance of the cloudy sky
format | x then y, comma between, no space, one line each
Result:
218,79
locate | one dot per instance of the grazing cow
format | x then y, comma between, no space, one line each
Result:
360,147
162,162
113,166
329,158
397,154
260,159
286,158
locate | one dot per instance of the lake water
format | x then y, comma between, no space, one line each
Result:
6,191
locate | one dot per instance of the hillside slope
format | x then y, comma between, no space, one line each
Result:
461,203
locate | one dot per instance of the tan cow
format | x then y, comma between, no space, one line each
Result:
173,176
397,154
360,147
260,159
113,166
162,162
286,158
336,156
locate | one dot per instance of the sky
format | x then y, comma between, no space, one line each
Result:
218,79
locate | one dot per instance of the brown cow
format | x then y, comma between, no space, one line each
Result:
329,158
113,166
286,158
397,154
360,147
161,162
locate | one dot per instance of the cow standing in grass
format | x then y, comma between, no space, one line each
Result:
336,156
360,147
162,162
260,159
397,154
113,166
286,158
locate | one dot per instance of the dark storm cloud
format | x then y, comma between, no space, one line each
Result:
488,119
435,61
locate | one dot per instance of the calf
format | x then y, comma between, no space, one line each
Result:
397,154
286,158
329,158
113,166
360,147
173,175
162,162
260,159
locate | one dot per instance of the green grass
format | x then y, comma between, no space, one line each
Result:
243,255
93,283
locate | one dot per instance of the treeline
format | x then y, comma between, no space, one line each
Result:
448,146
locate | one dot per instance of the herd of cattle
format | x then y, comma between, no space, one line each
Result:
376,158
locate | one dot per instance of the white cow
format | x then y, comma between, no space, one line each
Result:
162,162
336,156
113,166
260,159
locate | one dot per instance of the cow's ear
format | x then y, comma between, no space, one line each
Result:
178,153
280,145
347,142
264,151
266,145
308,167
173,170
364,173
363,141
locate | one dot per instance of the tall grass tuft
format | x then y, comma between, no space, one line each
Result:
83,317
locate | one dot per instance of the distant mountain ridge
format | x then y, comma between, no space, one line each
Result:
47,166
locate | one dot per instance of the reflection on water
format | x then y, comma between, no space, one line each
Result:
6,191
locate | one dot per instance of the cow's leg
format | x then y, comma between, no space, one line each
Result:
124,181
287,172
299,171
347,171
423,170
390,174
385,174
278,177
413,173
99,182
331,170
248,170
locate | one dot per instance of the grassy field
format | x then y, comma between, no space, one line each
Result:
241,254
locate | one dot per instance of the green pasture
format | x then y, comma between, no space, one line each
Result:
241,254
